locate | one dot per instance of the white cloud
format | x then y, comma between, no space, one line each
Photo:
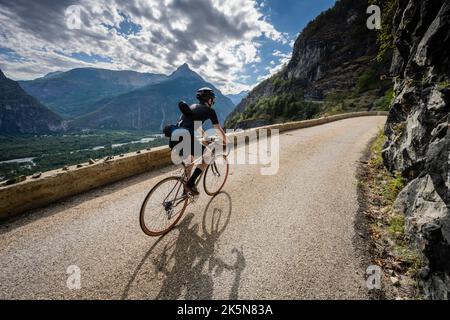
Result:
217,38
273,68
279,54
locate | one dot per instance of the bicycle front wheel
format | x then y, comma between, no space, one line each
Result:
163,207
216,176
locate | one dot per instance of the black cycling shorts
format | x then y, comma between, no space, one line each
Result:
195,145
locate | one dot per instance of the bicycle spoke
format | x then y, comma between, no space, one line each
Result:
163,207
216,176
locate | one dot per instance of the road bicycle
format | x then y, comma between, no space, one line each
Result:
166,203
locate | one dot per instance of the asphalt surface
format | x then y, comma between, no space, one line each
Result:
288,236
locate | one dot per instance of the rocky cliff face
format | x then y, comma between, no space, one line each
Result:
334,55
418,134
21,113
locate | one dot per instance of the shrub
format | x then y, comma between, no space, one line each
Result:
384,103
386,34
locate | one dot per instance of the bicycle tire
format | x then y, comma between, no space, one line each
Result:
153,232
209,171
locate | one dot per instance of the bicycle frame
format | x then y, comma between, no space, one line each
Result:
182,181
184,178
199,161
180,199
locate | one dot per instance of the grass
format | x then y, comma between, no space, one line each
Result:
396,225
388,185
394,185
376,149
392,248
411,258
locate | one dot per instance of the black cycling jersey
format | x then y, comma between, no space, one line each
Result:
200,113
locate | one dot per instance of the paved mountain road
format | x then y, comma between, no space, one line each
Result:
288,236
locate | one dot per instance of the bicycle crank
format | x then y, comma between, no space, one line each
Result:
169,210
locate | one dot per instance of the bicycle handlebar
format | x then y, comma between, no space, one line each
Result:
210,139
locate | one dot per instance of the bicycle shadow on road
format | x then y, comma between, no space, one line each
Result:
189,266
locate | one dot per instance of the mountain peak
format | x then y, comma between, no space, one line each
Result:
2,76
185,66
184,71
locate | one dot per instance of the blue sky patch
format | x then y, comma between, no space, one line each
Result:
12,56
126,27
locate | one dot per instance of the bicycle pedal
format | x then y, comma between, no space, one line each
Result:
192,198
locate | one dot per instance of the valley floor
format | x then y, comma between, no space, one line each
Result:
29,154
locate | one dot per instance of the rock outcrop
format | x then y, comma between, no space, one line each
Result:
21,113
334,55
417,130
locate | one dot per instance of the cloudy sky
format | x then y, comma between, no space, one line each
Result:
232,43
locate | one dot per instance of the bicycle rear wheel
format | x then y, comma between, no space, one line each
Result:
216,176
163,207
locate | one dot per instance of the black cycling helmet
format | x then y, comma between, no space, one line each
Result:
204,94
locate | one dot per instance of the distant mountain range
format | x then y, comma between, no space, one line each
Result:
152,106
21,113
89,98
80,91
237,98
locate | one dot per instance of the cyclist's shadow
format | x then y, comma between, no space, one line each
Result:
189,264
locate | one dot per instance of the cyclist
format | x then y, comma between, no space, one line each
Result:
197,116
